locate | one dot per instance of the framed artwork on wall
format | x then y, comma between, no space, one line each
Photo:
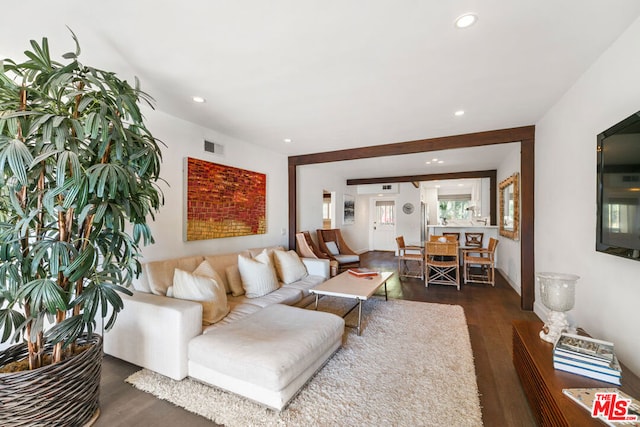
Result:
223,201
349,210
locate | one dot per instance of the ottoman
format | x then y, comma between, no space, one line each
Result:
267,356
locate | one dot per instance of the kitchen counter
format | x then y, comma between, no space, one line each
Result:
488,230
463,226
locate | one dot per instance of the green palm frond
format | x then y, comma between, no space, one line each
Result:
79,175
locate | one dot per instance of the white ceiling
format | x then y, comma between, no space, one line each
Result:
334,74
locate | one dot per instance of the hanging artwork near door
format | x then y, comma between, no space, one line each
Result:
223,201
349,216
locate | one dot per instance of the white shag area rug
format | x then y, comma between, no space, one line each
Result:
412,366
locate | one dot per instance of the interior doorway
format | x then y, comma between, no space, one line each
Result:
328,210
524,134
382,213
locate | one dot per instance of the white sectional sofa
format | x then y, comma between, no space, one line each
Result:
266,348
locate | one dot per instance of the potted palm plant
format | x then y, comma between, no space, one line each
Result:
79,174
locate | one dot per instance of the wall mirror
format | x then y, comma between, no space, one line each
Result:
509,207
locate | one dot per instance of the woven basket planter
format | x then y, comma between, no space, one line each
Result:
64,394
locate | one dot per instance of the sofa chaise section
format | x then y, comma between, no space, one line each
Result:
267,356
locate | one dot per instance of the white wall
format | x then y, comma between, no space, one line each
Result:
184,139
508,250
565,197
312,180
408,225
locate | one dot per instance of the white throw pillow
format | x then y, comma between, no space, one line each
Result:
205,290
258,275
234,280
333,248
289,266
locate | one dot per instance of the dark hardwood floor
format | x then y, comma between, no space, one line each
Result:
489,312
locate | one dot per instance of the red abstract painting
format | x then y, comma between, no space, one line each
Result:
223,201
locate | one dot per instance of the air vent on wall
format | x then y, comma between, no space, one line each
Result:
213,147
386,187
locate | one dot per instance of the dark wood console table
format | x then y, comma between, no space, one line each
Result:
542,384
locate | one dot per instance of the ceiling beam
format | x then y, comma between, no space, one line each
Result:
477,139
416,179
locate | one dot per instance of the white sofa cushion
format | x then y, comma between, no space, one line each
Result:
289,267
284,295
305,284
237,312
345,259
269,348
258,275
205,290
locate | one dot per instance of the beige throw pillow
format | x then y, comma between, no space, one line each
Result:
205,290
258,275
289,266
234,280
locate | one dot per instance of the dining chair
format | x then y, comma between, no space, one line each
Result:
479,264
442,264
450,235
473,239
439,238
410,259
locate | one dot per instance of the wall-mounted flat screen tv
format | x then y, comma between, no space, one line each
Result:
618,229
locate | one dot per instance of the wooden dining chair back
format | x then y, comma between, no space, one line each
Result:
473,239
451,235
479,264
442,264
438,238
410,259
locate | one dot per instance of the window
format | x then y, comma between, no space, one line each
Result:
619,215
385,212
455,206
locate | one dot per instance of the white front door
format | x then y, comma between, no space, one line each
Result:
383,224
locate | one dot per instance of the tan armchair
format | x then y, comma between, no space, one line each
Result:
330,242
306,248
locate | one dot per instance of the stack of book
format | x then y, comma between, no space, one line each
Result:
363,272
588,357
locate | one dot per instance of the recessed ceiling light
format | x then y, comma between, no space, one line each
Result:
427,163
459,113
440,161
198,99
288,140
434,160
460,185
466,20
437,186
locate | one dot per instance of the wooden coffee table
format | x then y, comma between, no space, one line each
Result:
346,285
